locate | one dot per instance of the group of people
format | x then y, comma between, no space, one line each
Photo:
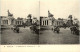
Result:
74,29
56,29
35,28
16,29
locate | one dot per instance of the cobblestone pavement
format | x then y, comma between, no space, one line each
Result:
24,37
64,37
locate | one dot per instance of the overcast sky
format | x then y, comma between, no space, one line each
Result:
20,8
59,8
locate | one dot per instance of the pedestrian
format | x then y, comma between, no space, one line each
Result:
17,29
58,29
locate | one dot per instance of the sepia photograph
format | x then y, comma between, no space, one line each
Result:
28,22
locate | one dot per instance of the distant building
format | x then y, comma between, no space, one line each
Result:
75,21
34,20
58,23
65,21
19,21
7,20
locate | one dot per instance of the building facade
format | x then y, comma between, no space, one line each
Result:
19,21
45,21
58,23
7,20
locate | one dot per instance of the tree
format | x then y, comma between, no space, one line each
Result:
70,16
29,16
70,21
60,19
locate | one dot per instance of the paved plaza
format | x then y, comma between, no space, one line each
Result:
26,36
64,37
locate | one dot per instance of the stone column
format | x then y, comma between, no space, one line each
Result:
42,22
45,22
9,21
19,22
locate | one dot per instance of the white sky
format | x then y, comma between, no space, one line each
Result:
20,8
59,8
